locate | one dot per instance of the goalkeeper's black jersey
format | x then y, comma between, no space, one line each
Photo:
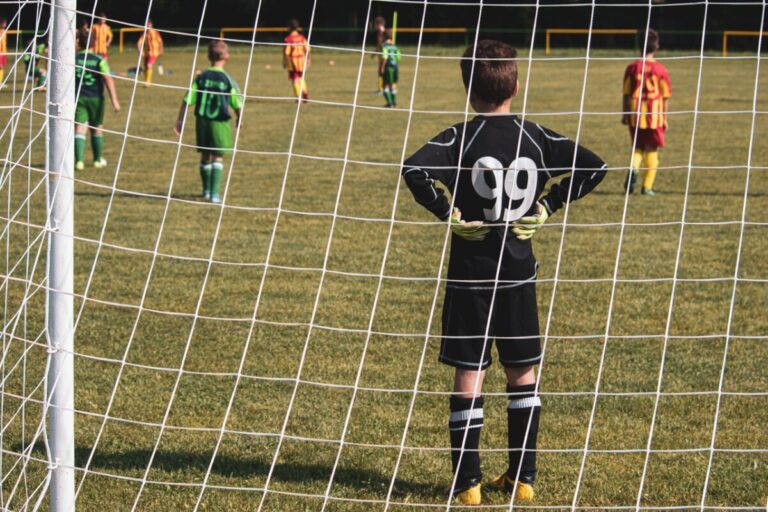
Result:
505,165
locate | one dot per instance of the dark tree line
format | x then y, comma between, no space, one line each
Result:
679,22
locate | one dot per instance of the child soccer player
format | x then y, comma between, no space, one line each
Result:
150,48
380,28
496,167
388,69
213,93
647,90
3,47
33,59
101,33
92,75
296,59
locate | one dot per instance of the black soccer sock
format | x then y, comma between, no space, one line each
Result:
466,418
524,405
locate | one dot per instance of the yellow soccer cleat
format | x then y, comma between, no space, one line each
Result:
505,484
100,163
471,496
79,166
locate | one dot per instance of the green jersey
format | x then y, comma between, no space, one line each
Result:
212,93
30,59
390,53
90,69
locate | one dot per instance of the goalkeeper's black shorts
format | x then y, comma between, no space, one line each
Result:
514,327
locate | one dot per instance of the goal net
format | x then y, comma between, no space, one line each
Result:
278,350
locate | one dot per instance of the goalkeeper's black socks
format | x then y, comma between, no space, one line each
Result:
524,407
464,425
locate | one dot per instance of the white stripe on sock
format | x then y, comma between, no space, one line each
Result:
523,403
466,414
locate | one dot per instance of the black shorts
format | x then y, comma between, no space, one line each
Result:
514,326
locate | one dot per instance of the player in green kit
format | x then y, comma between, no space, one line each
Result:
389,64
213,93
33,60
92,75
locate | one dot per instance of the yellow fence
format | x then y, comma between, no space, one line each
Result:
223,32
425,30
603,31
739,33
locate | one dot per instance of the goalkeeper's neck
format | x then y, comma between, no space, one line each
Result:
484,107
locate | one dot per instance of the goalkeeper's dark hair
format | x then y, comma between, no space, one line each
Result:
216,50
652,42
293,25
494,77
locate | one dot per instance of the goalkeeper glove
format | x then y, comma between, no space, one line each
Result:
526,227
474,231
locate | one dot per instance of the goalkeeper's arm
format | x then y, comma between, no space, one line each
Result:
435,161
421,182
587,172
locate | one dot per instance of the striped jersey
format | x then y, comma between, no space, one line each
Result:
101,37
295,51
496,167
647,84
152,43
90,69
212,93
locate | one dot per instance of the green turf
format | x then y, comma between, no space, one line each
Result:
156,208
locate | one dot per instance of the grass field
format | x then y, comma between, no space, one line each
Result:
173,285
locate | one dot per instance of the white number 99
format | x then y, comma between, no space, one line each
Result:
490,169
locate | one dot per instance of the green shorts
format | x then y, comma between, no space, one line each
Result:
213,136
90,111
390,76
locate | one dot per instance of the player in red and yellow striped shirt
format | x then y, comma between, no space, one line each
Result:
3,47
296,59
101,34
150,47
647,90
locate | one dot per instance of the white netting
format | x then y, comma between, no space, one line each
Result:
278,351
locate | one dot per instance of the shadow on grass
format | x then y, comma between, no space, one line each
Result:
147,196
608,192
243,467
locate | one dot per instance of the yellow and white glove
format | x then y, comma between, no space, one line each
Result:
474,231
526,227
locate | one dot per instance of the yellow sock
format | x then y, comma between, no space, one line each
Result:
2,74
304,89
637,159
381,84
149,75
297,88
652,163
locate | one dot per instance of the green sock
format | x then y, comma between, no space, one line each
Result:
218,169
205,176
388,96
393,95
97,144
79,147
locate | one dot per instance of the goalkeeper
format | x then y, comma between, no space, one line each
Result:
498,205
213,93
